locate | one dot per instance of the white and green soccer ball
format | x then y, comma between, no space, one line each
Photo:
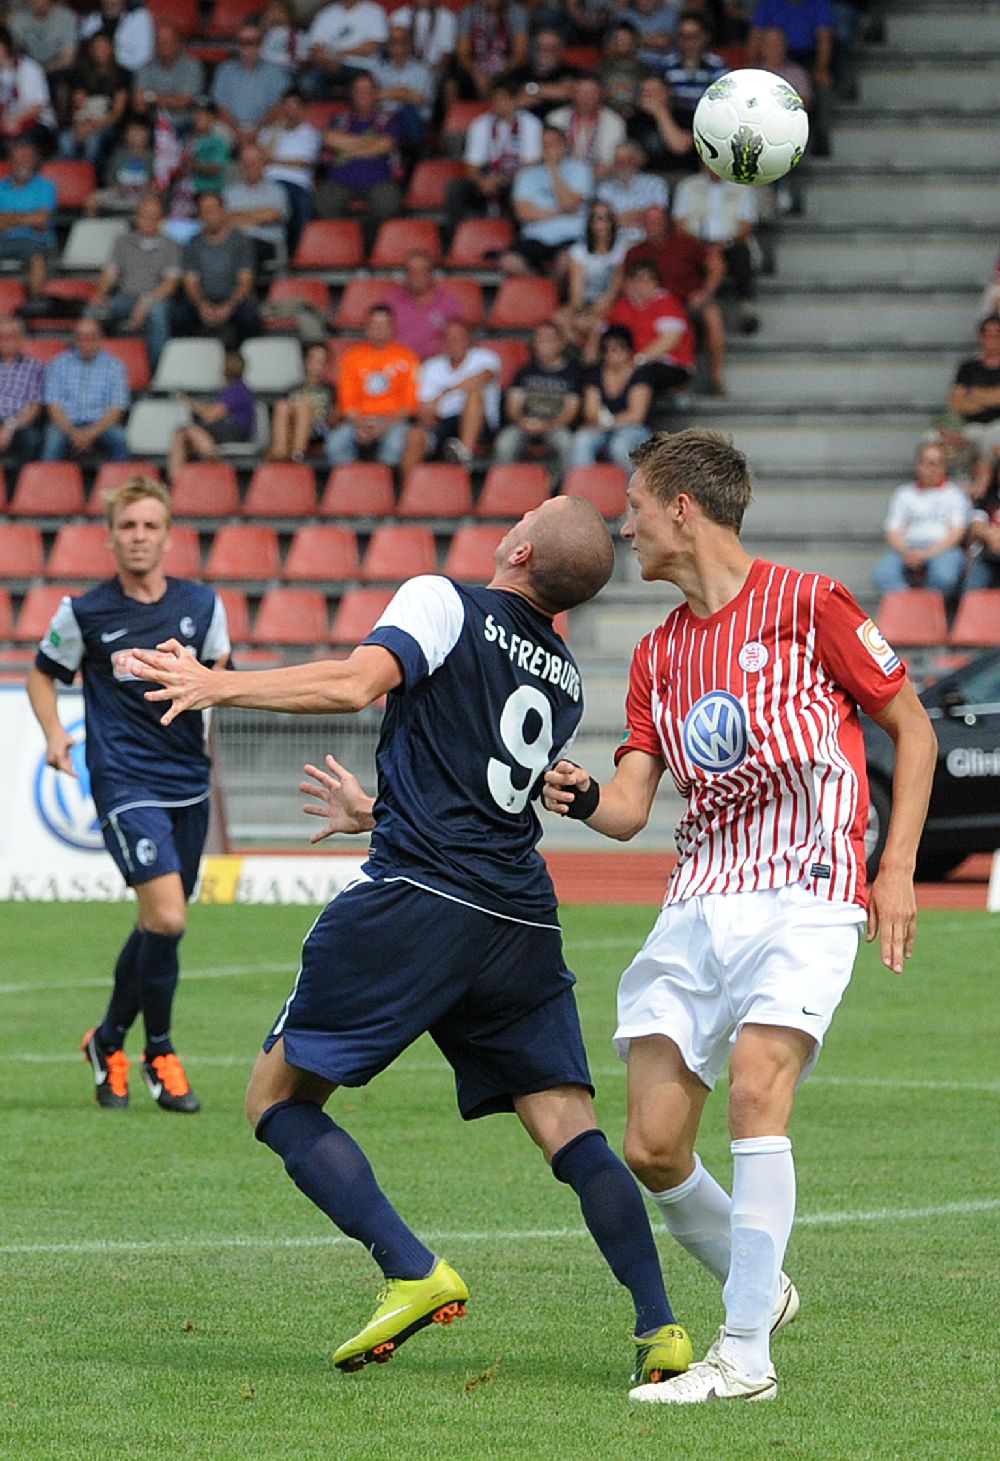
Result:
750,127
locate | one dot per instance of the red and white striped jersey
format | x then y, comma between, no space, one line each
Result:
754,712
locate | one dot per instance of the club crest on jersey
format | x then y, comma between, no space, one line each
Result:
187,626
880,650
753,656
715,732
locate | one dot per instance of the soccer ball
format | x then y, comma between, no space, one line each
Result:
750,127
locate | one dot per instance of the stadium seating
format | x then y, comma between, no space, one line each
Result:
281,489
914,618
520,304
273,364
397,238
74,181
3,490
111,476
229,15
40,603
477,241
183,556
357,299
6,615
20,551
436,489
151,424
314,292
90,241
184,15
291,616
360,489
398,551
243,552
330,243
603,484
429,183
132,353
234,601
513,354
471,554
189,363
48,489
469,294
80,550
206,489
460,115
977,622
322,554
511,491
357,614
12,296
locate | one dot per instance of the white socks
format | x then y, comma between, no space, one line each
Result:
763,1208
697,1214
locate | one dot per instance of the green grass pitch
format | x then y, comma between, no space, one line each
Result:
167,1292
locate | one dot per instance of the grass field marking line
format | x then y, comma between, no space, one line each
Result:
223,971
528,1235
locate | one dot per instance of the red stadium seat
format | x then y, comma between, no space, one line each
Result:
48,489
603,484
3,490
477,241
12,296
292,616
977,622
74,181
429,183
513,354
357,299
469,293
80,550
360,489
460,115
399,551
398,238
471,554
321,114
113,475
296,289
39,605
330,243
45,350
234,601
229,15
436,489
322,554
6,615
913,618
357,614
281,489
183,557
183,15
20,551
206,489
243,551
132,353
520,304
584,58
511,491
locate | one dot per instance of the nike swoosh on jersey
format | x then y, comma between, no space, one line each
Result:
115,634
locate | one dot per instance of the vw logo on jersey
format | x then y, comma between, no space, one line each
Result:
715,732
64,804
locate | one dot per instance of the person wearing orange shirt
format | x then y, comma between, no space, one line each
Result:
377,395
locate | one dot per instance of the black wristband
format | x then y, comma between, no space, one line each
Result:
584,803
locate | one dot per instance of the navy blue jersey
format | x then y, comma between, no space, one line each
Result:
490,698
130,755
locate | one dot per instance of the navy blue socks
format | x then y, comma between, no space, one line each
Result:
158,969
124,1003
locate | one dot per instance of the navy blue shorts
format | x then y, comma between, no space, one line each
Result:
387,961
148,841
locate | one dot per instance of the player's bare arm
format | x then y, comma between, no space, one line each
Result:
892,906
624,804
343,801
59,743
322,687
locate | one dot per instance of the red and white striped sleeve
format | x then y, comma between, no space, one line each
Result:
852,650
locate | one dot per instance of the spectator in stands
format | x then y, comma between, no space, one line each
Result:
132,31
49,33
492,37
592,266
98,103
543,403
140,279
376,395
225,422
258,207
654,21
307,414
281,41
27,217
984,535
22,383
724,214
659,326
365,165
217,297
667,146
203,168
550,204
421,306
621,71
693,272
87,396
689,67
246,88
925,529
617,403
629,192
433,29
589,20
406,86
459,395
343,40
593,130
25,105
292,147
545,80
129,173
773,52
974,400
497,145
170,82
809,27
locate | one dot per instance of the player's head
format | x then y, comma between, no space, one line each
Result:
559,555
139,518
701,464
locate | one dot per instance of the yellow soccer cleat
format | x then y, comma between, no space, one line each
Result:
405,1305
661,1356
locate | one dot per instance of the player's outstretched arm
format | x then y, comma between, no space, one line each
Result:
892,904
622,807
322,687
344,802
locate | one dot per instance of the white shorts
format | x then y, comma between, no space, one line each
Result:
713,964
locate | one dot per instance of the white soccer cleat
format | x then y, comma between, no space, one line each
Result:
787,1307
712,1378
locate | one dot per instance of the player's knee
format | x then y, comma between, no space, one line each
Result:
756,1101
172,922
657,1163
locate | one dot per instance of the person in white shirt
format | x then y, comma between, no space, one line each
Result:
25,103
433,31
497,144
925,529
133,31
724,213
343,39
292,146
459,394
629,192
593,131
